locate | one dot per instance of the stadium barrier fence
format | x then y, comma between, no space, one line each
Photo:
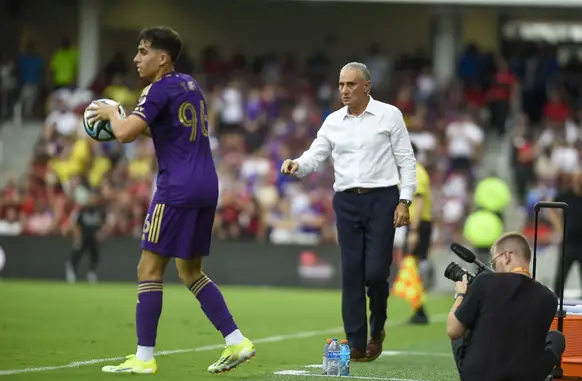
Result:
230,263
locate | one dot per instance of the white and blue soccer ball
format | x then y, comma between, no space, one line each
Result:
100,130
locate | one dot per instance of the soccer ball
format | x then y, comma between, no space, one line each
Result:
100,130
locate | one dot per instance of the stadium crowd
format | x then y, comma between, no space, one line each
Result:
269,108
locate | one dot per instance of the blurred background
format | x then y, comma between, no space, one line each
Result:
486,91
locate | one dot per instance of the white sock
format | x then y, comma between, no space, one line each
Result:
145,353
234,338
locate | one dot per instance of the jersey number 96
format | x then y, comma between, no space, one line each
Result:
189,116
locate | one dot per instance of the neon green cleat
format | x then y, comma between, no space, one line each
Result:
133,365
233,356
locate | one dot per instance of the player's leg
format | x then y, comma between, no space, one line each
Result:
93,248
189,258
211,299
158,240
424,266
561,278
378,249
350,234
73,263
150,271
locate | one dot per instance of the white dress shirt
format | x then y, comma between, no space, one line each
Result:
371,150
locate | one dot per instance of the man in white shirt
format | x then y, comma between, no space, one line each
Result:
369,144
464,144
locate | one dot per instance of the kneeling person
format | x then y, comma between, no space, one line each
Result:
499,324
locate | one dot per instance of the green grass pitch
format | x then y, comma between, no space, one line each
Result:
55,331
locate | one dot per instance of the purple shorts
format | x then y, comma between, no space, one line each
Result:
173,232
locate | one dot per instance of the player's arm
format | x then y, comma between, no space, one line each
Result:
128,129
104,230
317,153
403,155
152,100
555,217
418,201
466,309
76,231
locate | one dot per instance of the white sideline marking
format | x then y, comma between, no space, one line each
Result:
384,353
270,339
399,353
303,373
416,353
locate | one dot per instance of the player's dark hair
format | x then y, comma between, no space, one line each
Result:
163,38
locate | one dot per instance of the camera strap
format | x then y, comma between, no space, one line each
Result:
521,270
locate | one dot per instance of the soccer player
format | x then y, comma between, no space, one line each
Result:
172,110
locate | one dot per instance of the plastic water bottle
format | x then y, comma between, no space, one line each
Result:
325,353
333,358
344,358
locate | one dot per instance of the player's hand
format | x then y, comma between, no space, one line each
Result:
401,215
101,111
289,167
461,287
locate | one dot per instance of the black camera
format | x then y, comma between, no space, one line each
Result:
455,272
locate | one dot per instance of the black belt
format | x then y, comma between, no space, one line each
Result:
360,190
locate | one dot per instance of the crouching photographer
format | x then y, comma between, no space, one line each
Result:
500,319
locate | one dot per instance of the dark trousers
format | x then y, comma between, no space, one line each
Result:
91,245
555,346
573,254
365,225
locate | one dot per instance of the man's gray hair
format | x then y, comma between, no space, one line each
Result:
360,67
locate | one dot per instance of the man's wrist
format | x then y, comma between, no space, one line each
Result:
459,295
406,193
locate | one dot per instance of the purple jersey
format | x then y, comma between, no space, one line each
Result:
175,111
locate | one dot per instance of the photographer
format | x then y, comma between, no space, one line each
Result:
499,323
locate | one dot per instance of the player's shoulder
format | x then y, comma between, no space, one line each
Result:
178,79
546,294
337,116
149,90
384,108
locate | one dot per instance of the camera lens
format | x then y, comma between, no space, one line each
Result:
455,273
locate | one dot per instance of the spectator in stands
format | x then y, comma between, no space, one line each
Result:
522,156
118,91
62,121
501,96
465,141
12,223
117,67
8,87
31,78
64,64
260,111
